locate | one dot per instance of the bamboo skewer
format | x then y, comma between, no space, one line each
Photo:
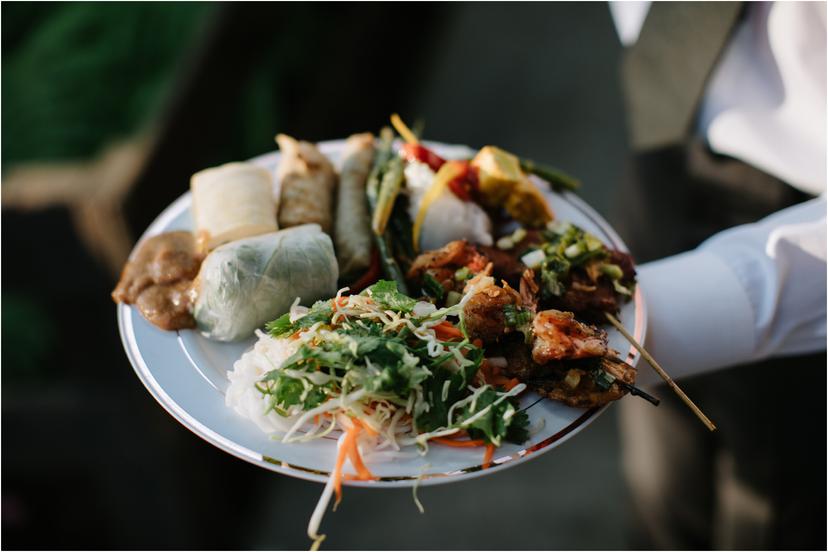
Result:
657,367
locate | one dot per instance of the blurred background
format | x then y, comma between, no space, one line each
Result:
106,112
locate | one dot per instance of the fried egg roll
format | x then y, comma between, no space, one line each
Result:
231,202
307,181
352,226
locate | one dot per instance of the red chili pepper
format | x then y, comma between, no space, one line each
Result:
466,184
418,152
371,275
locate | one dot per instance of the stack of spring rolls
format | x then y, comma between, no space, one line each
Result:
267,244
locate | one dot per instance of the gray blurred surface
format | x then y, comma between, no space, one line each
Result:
570,498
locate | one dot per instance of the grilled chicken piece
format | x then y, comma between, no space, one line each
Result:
529,290
483,313
589,294
558,336
442,264
573,384
458,253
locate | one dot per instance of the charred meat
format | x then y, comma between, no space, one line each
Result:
558,336
446,269
486,314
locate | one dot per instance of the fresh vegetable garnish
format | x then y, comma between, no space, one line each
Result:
432,287
378,358
465,185
567,246
515,316
418,152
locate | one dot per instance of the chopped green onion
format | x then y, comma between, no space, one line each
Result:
518,235
621,289
505,243
453,298
515,316
432,287
557,226
534,258
574,250
612,270
603,379
462,274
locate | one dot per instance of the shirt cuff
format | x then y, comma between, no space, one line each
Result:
699,315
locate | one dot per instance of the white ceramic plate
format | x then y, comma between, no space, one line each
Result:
186,374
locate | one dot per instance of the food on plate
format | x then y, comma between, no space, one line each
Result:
352,229
486,296
557,335
443,273
571,269
245,283
231,202
550,351
386,370
307,182
441,215
157,278
387,206
501,181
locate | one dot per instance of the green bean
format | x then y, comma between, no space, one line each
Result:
389,189
383,157
556,177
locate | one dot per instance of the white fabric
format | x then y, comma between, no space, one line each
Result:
765,103
629,17
748,293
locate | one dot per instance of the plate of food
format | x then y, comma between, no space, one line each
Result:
381,312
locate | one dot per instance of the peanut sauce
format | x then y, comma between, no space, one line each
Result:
158,280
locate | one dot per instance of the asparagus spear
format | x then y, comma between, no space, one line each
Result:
557,178
389,188
383,158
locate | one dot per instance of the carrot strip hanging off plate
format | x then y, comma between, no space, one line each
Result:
487,457
347,443
363,472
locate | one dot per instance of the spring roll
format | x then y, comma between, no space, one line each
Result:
307,181
352,226
231,202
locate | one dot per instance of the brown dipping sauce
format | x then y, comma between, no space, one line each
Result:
158,280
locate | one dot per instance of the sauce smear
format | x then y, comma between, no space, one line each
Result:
158,280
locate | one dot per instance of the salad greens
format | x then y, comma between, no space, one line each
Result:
370,356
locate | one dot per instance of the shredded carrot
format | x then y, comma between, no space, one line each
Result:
347,443
356,460
461,444
507,383
487,457
335,303
445,330
368,429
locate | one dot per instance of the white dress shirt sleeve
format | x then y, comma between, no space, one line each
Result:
746,294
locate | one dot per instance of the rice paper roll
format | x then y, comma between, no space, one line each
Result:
352,225
231,202
246,283
306,185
